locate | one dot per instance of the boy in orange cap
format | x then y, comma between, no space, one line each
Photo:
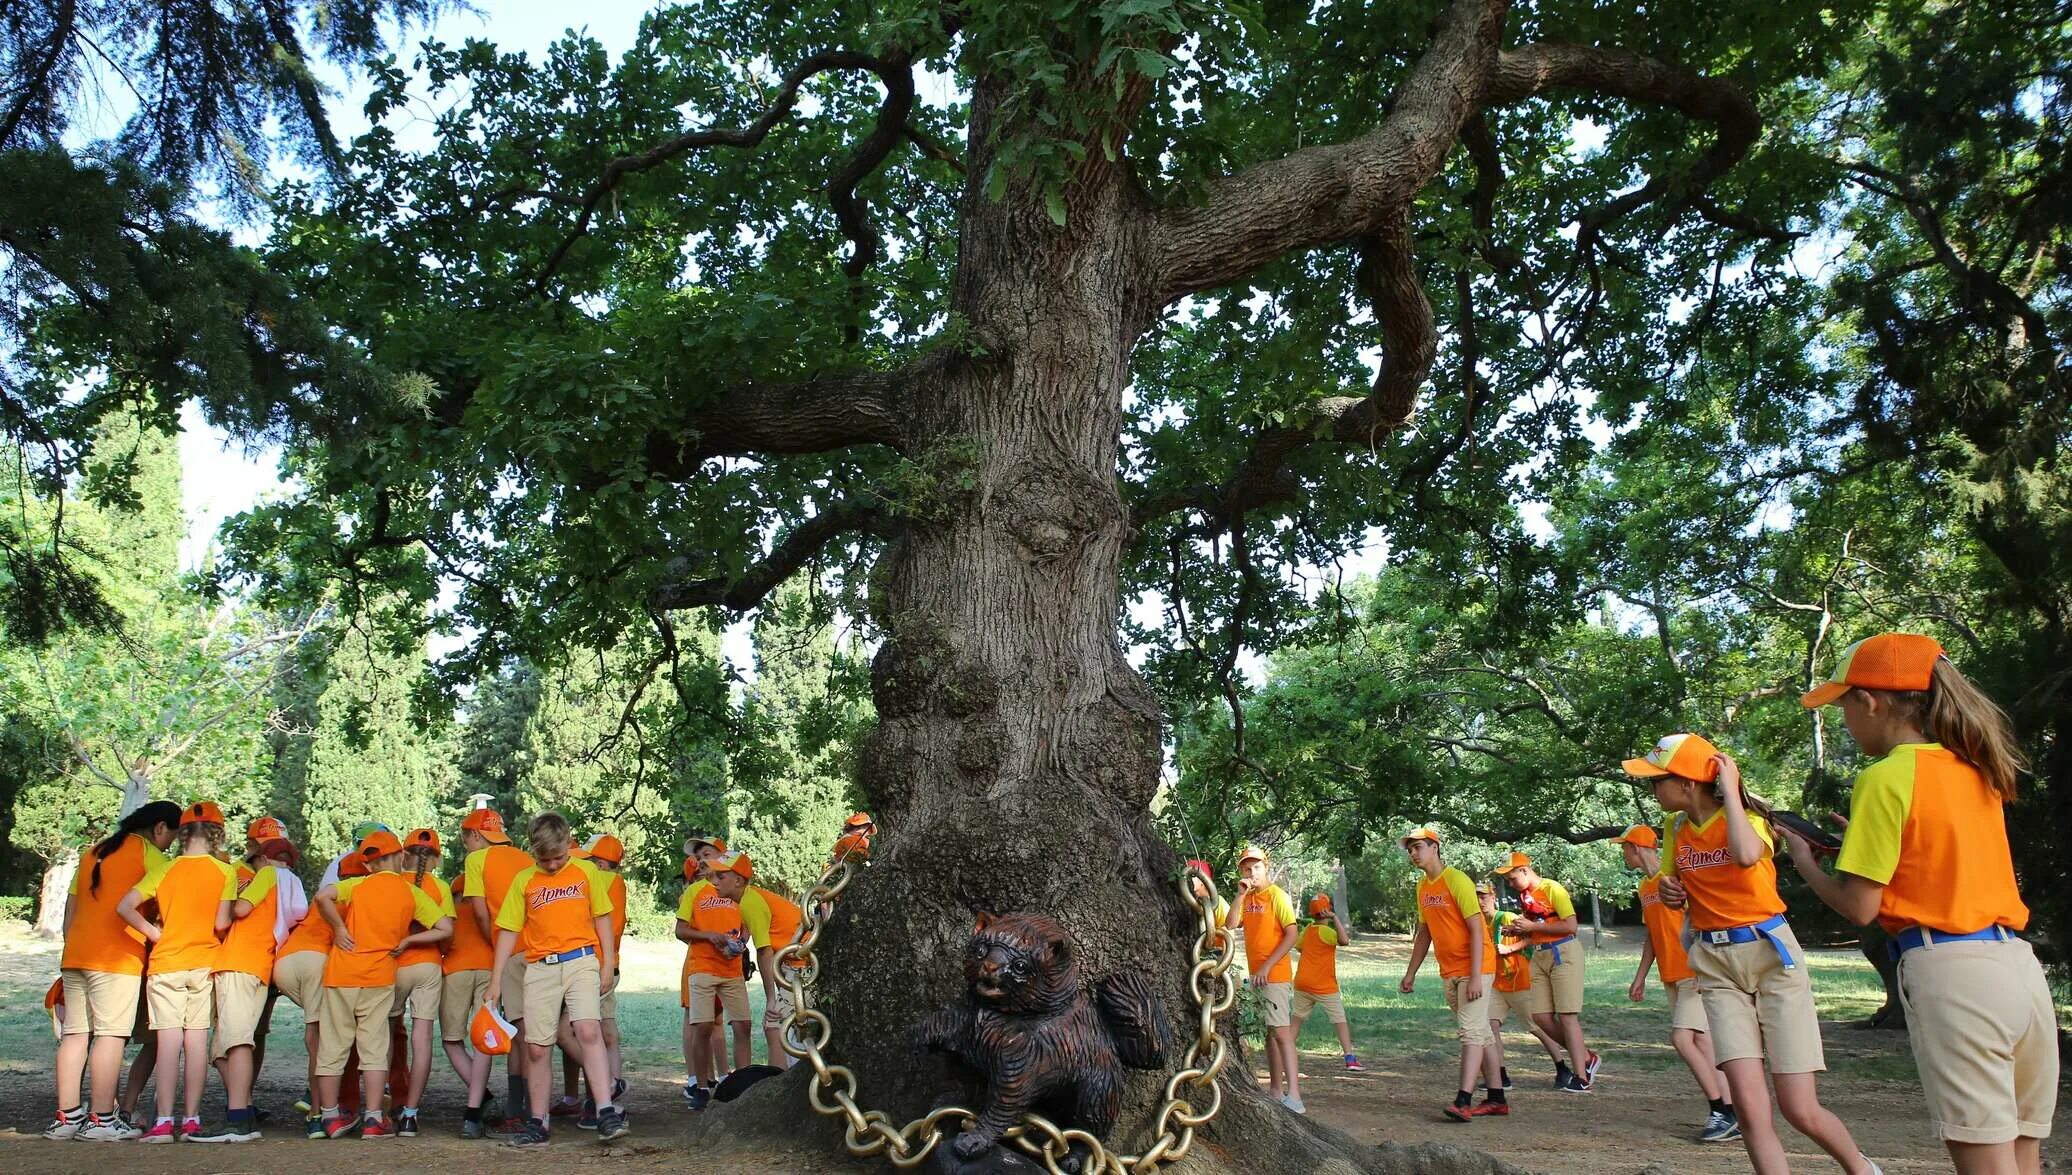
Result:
1316,976
241,982
561,918
486,876
371,919
1926,855
420,975
195,893
1450,925
1759,1008
1268,919
772,922
717,941
700,850
1549,924
1664,949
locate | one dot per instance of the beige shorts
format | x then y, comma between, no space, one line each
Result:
1470,1017
300,977
730,992
418,989
1276,1004
1985,1039
460,993
180,999
1503,1004
608,1003
514,987
1557,988
1686,1006
240,1000
354,1017
550,987
1756,1008
101,1003
1305,1003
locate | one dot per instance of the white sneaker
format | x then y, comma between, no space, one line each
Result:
113,1128
1294,1103
1875,1169
66,1126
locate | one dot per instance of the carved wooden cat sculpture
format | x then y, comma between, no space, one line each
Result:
1037,1038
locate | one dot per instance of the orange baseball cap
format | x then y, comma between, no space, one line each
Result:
1685,755
202,812
378,844
691,843
354,865
1251,853
1429,834
734,862
490,1032
487,822
1642,835
1319,904
606,847
1889,661
858,820
422,838
1518,861
264,829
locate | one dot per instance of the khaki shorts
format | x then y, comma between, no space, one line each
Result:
240,1000
418,988
1305,1003
1502,1004
514,987
1754,1008
300,977
1470,1017
460,993
549,987
101,1003
1686,1006
180,999
730,992
1985,1038
354,1017
1276,1004
1557,988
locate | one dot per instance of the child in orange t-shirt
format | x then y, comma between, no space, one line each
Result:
1759,1011
700,850
561,918
1268,919
244,974
195,894
1663,949
486,873
371,919
1926,855
1316,976
718,939
420,977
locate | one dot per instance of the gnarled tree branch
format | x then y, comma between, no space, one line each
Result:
800,544
816,415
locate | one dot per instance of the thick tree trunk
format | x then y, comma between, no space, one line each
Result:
50,900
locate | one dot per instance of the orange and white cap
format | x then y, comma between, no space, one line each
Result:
489,1032
1515,862
1418,834
1251,853
1685,755
1319,905
1888,661
1640,834
201,812
264,829
487,822
691,843
605,847
734,862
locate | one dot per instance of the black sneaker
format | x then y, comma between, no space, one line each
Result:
406,1124
1720,1127
1576,1085
698,1096
611,1123
473,1130
534,1134
1561,1074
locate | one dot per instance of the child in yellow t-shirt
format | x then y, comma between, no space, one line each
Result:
1316,976
1268,920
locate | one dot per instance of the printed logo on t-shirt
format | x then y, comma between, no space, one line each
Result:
1649,897
1690,858
1438,900
548,895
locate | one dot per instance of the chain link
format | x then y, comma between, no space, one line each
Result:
870,1132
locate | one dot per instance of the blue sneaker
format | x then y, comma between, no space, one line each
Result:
698,1096
586,1118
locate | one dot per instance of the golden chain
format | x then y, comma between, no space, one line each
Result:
871,1132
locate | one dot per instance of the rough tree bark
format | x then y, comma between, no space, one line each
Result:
1017,751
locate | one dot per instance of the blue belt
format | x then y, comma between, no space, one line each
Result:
1921,936
1554,946
1766,931
569,956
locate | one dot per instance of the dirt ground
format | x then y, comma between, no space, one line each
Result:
1636,1118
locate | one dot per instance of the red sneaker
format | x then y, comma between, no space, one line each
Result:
1491,1110
1459,1113
340,1125
564,1109
377,1128
160,1132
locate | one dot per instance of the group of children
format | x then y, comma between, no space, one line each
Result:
1925,854
384,951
